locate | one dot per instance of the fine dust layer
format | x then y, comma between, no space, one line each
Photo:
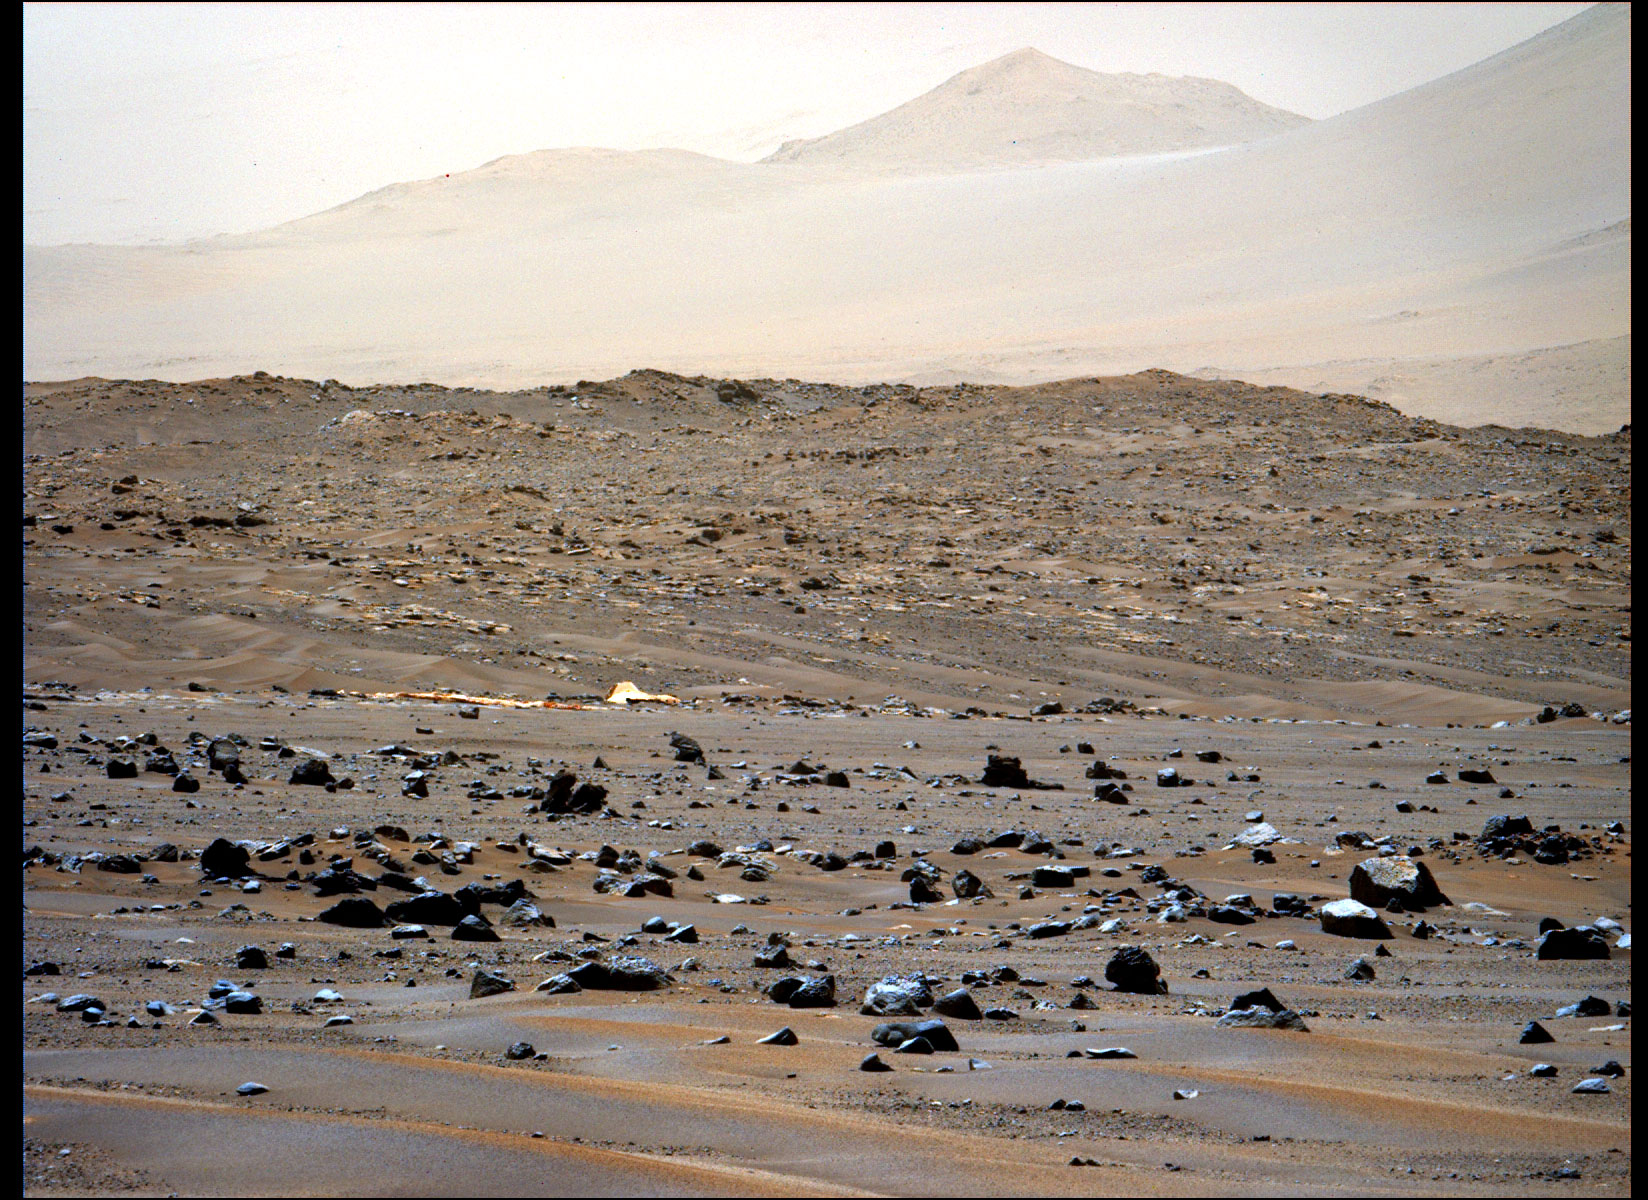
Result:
858,596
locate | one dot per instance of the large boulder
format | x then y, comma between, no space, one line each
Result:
1376,881
1504,826
897,996
1002,770
224,858
427,908
489,983
935,1032
1352,918
1132,969
633,973
354,912
312,771
1260,1017
804,991
959,1004
1583,941
474,928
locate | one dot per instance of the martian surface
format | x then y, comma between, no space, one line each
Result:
1071,639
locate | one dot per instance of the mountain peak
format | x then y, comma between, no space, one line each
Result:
1027,107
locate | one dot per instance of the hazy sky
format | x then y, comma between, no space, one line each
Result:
157,122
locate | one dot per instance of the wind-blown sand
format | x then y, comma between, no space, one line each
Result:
885,582
1462,249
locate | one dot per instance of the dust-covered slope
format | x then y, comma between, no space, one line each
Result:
1470,238
1027,107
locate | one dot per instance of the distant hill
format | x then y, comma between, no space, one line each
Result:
1028,107
1462,249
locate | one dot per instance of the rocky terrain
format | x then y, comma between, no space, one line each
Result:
1238,776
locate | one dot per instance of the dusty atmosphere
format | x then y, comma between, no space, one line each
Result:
926,654
1461,250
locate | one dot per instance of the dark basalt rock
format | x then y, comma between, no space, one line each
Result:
355,912
225,859
1131,969
313,772
474,928
1580,942
935,1033
958,1004
427,908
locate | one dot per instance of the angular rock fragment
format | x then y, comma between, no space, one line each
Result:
1131,969
1351,918
1376,881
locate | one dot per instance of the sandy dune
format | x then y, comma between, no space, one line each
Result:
1463,249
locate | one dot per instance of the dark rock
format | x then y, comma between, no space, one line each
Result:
1258,998
225,859
1261,1017
489,983
428,908
1581,942
686,749
1476,775
784,1037
312,772
967,885
251,958
1504,826
1533,1034
958,1004
633,973
1360,969
355,912
185,783
872,1062
520,1050
120,768
1591,1006
1052,877
1131,969
474,928
813,992
1003,771
934,1032
1047,929
923,892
